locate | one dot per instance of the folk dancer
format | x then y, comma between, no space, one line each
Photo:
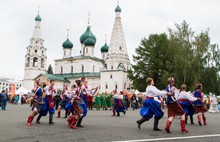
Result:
48,105
37,102
150,106
64,101
120,106
76,100
85,90
174,109
185,100
199,105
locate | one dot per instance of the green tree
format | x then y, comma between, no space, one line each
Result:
150,61
50,69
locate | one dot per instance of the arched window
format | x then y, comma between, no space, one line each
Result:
125,85
35,51
61,69
106,86
116,86
112,67
82,68
28,62
111,76
86,50
93,69
35,62
71,69
64,52
120,48
42,62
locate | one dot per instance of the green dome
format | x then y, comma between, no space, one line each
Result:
89,41
38,18
67,44
86,34
117,9
104,48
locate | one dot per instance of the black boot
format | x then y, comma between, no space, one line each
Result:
191,119
124,112
51,119
79,123
156,122
118,113
139,122
186,118
65,114
38,119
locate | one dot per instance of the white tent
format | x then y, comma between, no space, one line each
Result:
22,91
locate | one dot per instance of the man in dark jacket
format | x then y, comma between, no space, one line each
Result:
4,99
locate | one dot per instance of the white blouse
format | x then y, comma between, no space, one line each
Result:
152,91
186,95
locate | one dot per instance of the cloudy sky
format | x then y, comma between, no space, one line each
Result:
139,18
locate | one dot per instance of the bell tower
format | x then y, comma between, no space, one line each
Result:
35,58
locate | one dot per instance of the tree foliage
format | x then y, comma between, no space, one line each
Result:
182,54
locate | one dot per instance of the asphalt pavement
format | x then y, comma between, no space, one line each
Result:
100,126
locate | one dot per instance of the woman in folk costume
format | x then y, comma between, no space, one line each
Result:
199,105
48,105
174,109
185,100
76,100
38,101
64,101
150,106
120,107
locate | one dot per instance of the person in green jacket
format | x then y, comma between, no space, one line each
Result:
103,101
111,100
98,101
108,100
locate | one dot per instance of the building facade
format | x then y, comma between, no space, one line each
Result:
108,72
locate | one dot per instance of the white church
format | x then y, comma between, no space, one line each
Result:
108,73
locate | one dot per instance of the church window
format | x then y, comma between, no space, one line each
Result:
86,50
35,62
71,69
35,51
29,50
42,62
112,67
61,70
111,76
82,68
120,48
93,69
116,86
64,52
42,52
106,86
125,85
36,42
28,62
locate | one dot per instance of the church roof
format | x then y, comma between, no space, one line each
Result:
53,77
86,35
104,48
38,18
80,57
78,75
67,44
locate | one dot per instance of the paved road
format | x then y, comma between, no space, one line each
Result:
99,126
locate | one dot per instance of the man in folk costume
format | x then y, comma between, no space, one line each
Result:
37,102
85,90
64,100
185,100
150,106
174,109
50,92
76,100
199,105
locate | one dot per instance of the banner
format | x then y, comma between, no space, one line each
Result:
12,90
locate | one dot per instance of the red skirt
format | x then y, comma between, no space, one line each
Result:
174,109
199,109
